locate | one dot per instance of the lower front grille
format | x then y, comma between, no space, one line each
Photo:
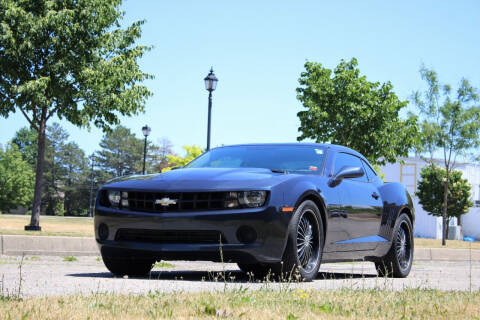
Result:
170,236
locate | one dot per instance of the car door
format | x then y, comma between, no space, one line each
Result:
361,208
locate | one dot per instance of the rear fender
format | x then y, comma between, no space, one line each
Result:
396,199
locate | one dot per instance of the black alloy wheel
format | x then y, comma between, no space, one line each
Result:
308,242
303,253
397,262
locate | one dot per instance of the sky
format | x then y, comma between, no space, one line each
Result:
258,49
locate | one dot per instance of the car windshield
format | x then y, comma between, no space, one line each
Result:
301,159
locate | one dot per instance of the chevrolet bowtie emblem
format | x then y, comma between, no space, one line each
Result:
166,201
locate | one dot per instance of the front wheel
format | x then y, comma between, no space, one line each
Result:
303,254
130,266
397,263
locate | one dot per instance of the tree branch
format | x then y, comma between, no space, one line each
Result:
28,119
51,113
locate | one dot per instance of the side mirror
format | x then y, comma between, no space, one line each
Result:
347,173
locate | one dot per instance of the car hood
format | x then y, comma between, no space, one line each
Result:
207,179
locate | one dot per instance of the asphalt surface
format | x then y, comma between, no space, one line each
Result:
52,276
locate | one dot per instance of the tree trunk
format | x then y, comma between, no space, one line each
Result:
37,196
444,208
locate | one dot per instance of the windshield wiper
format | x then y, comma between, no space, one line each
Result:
279,171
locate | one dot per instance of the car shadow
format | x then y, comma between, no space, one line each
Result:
215,276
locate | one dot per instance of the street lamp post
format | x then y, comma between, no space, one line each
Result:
146,131
90,212
210,85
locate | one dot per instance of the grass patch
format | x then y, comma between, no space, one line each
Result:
70,259
163,264
245,304
51,226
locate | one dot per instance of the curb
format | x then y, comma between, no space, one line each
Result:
78,246
48,246
446,254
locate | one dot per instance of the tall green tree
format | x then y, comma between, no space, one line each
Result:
16,179
55,173
121,153
344,108
70,59
76,185
26,140
450,124
431,190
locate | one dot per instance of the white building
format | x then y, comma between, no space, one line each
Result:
427,226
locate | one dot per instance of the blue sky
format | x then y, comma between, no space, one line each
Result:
258,49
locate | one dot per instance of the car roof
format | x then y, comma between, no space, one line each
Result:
324,145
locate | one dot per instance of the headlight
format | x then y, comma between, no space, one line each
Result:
245,199
114,198
117,197
252,199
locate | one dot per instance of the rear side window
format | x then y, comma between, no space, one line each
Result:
348,160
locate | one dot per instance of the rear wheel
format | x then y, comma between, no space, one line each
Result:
397,262
303,254
130,266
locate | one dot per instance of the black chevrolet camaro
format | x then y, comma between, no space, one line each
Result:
271,208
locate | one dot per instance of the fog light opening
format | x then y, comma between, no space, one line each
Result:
246,234
102,231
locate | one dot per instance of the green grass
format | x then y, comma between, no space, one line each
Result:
51,226
70,259
246,304
163,264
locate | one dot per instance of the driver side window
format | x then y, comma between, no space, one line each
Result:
348,160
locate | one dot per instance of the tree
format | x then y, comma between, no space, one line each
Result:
55,173
451,125
344,108
160,154
76,184
191,152
16,179
121,153
65,185
70,59
431,192
26,140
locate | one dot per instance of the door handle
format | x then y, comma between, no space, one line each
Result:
375,195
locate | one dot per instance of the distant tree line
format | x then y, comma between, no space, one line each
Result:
69,171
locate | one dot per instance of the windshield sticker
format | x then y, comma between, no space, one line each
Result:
313,168
319,151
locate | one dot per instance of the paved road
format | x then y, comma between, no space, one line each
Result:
42,276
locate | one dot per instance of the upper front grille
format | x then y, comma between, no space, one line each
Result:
184,201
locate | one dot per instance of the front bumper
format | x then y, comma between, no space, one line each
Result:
269,223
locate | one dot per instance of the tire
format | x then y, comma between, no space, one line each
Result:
303,253
256,270
397,263
128,266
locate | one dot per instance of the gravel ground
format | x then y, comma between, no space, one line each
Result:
51,276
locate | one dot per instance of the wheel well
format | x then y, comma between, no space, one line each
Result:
320,207
409,214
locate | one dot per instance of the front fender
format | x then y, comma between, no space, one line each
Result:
295,193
